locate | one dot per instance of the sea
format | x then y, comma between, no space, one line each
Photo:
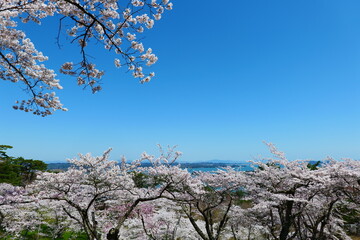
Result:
242,167
191,167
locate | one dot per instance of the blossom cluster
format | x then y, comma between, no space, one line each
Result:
116,25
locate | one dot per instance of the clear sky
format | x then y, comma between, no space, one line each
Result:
230,75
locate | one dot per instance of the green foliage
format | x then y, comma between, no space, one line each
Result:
238,197
240,193
35,235
3,154
209,189
270,164
72,235
314,166
9,173
140,179
143,180
43,234
28,168
349,215
18,171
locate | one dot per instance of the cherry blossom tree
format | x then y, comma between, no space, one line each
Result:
115,25
294,201
91,187
210,200
12,202
278,200
101,197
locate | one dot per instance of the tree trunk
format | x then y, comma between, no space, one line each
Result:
113,234
287,221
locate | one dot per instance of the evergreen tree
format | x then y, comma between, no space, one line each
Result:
18,171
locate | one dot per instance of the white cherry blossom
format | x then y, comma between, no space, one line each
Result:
111,23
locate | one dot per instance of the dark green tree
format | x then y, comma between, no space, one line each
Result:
3,154
18,171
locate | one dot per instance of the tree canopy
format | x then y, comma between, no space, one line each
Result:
18,170
3,148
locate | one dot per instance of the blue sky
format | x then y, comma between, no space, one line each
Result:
230,75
